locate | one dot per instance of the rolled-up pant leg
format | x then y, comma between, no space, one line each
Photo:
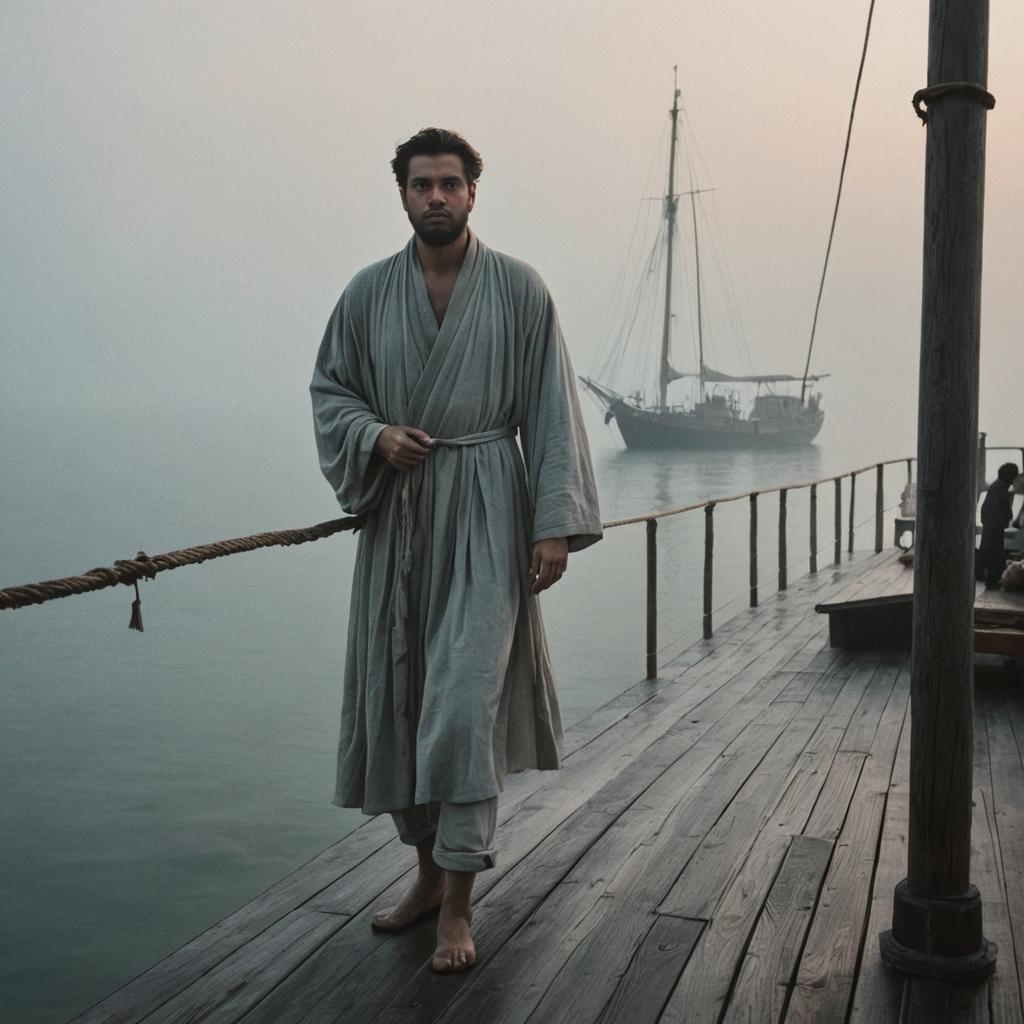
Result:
465,836
465,832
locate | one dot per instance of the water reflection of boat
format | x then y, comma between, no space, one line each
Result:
716,418
657,478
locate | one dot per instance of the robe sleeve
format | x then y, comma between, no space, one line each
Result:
346,426
554,440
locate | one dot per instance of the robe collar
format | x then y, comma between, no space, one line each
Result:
433,341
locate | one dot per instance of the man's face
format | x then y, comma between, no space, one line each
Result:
438,198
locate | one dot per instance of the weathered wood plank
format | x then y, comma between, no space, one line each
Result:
865,585
1004,988
866,718
181,968
833,804
879,764
728,840
827,973
648,889
703,988
719,856
241,980
878,990
1000,709
987,872
641,993
701,992
768,966
601,949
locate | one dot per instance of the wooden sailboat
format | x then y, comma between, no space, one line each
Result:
716,419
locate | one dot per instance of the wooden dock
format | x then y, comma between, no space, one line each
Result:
721,845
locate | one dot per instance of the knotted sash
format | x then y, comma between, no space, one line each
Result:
407,501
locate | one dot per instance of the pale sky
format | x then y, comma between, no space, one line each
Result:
189,185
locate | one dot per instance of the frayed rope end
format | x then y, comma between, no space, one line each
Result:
135,622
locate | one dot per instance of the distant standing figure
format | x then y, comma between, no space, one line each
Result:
433,361
996,515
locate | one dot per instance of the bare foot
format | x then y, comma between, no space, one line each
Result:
422,898
455,949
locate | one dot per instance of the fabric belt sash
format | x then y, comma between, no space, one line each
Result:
408,494
467,440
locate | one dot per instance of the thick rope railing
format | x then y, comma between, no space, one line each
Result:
129,571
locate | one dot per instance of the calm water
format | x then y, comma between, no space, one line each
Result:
155,782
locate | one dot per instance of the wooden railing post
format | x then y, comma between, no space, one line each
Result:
853,507
753,550
879,505
709,556
837,554
652,598
782,539
814,528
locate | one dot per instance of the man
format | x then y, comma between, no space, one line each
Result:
432,360
996,515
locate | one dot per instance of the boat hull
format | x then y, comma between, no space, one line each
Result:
645,428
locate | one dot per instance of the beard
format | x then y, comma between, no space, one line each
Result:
438,232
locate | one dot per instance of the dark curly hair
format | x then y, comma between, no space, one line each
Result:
435,142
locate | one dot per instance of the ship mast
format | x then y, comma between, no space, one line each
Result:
671,203
696,260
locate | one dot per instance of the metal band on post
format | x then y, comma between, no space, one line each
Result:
977,93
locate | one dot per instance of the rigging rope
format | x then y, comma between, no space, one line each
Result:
839,193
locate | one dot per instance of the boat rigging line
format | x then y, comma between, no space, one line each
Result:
839,193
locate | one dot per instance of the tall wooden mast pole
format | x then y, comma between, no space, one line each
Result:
671,204
700,313
937,920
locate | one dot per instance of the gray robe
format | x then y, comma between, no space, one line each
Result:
447,681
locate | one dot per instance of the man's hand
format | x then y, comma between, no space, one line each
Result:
403,447
548,562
